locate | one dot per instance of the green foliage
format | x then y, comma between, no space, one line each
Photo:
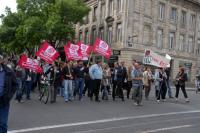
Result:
38,20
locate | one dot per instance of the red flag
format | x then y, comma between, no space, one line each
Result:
47,53
72,46
28,63
85,49
73,52
102,48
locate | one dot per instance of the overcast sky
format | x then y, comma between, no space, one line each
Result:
10,3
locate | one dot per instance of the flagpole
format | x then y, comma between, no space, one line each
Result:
90,57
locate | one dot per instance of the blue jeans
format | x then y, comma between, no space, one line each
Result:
169,88
19,91
79,87
4,111
67,89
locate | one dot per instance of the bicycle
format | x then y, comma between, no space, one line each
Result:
44,92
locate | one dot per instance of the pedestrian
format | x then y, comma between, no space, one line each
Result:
79,73
50,75
124,76
157,81
67,76
96,75
120,80
8,85
181,78
169,89
90,84
114,80
163,86
129,81
28,84
136,75
87,80
57,80
20,77
147,78
105,82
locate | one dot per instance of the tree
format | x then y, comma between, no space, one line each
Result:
38,20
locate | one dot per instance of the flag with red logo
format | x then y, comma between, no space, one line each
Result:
72,52
47,53
102,48
85,50
29,63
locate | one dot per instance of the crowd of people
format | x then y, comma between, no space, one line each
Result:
75,79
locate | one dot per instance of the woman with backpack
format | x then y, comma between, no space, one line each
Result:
181,78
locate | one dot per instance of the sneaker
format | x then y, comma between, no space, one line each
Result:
158,101
187,100
136,104
164,100
176,99
66,101
140,104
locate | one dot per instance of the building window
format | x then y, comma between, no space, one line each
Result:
160,38
190,44
183,19
101,33
119,5
161,11
192,21
103,10
147,33
110,35
95,14
80,36
119,32
87,37
94,35
198,47
171,40
181,42
110,10
173,16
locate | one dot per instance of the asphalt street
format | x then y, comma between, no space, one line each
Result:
107,116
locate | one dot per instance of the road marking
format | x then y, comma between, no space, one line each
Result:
167,128
99,121
133,125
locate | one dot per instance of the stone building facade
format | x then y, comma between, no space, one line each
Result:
131,26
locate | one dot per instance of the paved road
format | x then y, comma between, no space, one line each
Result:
106,116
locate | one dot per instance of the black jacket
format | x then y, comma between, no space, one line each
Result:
9,87
120,74
182,78
79,72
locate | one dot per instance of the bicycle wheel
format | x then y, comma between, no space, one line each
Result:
41,93
45,95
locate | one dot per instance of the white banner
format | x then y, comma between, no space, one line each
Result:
151,58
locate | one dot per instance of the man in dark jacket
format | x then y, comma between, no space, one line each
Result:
120,79
7,89
79,73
